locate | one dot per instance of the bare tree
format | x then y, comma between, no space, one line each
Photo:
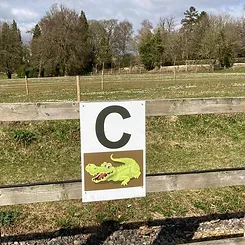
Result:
167,24
220,41
122,40
62,42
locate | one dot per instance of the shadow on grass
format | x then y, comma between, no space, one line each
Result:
172,231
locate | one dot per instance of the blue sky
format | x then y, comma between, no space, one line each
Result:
27,13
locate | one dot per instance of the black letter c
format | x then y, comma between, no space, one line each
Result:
100,127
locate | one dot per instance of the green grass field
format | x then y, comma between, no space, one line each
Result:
123,87
41,151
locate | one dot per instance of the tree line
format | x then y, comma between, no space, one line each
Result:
64,42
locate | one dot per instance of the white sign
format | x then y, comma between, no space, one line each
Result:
112,150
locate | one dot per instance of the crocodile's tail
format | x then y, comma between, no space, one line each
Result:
123,160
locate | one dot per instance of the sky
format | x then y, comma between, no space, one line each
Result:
27,13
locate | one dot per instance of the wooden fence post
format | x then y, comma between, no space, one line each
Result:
102,77
26,82
78,90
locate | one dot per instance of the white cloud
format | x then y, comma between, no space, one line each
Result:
23,14
133,10
4,5
145,4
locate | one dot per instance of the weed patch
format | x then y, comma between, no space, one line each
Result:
67,222
8,217
23,137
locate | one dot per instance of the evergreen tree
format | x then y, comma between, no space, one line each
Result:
10,48
36,47
84,24
189,22
36,32
225,53
190,19
16,33
145,42
146,51
85,42
158,46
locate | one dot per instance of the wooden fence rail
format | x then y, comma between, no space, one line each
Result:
164,107
67,190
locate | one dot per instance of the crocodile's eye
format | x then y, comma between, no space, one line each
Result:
108,166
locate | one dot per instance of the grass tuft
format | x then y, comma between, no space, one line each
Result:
8,217
24,137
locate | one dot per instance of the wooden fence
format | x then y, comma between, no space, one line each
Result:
32,86
64,190
42,192
164,107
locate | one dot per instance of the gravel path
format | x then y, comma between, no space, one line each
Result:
168,232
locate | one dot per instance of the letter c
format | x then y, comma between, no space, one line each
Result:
100,127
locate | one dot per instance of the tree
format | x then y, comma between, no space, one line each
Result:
122,41
170,40
25,69
109,39
189,22
62,46
220,42
190,19
84,46
158,48
241,33
167,24
146,52
37,51
145,43
105,42
145,30
101,39
36,32
10,48
199,30
97,33
104,53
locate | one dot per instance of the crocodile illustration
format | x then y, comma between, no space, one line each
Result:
107,172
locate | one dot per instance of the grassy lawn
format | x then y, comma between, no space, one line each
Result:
41,151
3,76
122,87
